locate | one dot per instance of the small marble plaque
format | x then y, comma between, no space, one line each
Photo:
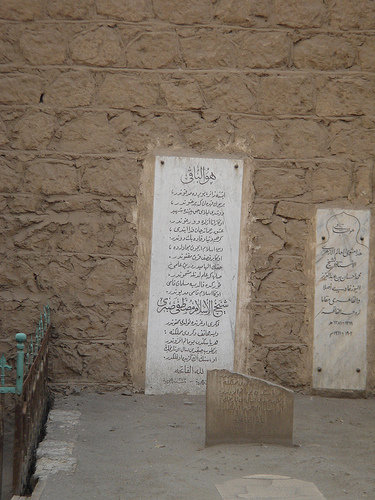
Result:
341,291
194,267
244,409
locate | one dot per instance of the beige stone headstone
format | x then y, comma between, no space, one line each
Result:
244,409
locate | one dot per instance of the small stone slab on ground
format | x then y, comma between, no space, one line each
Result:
244,409
267,487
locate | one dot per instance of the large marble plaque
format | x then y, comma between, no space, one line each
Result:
194,264
341,286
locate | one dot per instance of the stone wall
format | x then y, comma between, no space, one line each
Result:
89,88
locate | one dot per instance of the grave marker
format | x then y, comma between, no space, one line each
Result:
244,409
194,267
341,291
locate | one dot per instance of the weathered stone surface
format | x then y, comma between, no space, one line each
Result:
293,210
175,11
44,45
126,10
288,364
70,89
153,50
302,138
278,324
125,91
34,130
263,49
20,89
265,243
346,96
9,43
99,46
289,183
218,93
116,177
70,9
205,49
242,12
258,136
303,14
282,286
87,132
345,14
324,52
286,95
363,184
182,93
367,54
353,138
51,177
26,10
330,182
243,409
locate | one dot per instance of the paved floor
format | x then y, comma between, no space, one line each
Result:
152,447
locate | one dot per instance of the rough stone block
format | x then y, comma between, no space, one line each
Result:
302,14
153,50
230,92
302,138
346,14
208,49
9,43
265,244
258,136
324,52
99,46
87,133
244,409
175,11
289,365
282,285
27,10
182,93
20,89
286,95
70,89
354,138
278,324
70,9
367,54
363,182
330,182
346,96
125,10
242,12
293,210
263,49
128,91
115,177
51,177
44,45
34,130
10,175
290,183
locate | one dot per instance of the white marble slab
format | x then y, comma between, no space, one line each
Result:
194,264
341,292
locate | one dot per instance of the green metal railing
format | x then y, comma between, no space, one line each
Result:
31,353
31,393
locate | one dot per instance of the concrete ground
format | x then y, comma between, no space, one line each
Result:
152,447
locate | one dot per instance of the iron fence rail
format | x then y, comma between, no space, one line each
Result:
31,399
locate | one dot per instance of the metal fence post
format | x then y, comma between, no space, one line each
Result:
21,339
